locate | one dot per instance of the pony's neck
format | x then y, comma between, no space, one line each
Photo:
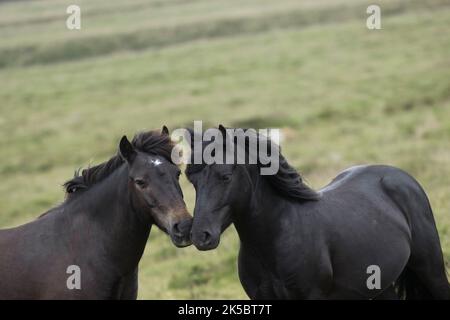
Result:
107,218
261,215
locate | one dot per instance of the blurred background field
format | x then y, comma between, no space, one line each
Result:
343,95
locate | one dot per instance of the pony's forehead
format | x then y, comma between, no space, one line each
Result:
153,160
221,167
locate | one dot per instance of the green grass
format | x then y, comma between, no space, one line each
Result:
343,95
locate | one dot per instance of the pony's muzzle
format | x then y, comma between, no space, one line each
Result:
180,233
205,240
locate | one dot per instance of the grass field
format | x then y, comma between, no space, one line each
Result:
342,94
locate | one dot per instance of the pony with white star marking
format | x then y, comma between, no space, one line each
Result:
102,227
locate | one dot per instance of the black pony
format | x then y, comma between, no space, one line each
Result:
296,243
100,230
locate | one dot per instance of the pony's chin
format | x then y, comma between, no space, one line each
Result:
183,244
180,243
207,247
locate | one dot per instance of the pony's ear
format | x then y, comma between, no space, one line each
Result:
126,150
228,139
189,137
223,130
226,136
165,130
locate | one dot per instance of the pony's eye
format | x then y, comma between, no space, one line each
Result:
140,183
72,189
226,177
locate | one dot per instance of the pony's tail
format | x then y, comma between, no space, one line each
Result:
410,287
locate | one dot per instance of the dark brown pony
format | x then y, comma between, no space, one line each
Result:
89,247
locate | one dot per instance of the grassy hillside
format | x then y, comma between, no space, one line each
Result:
344,95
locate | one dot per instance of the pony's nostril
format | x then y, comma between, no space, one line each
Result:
176,228
206,237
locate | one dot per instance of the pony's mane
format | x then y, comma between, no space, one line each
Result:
287,181
151,142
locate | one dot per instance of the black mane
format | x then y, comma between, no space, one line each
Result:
151,142
287,181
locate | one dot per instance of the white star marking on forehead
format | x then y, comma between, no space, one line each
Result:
156,162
